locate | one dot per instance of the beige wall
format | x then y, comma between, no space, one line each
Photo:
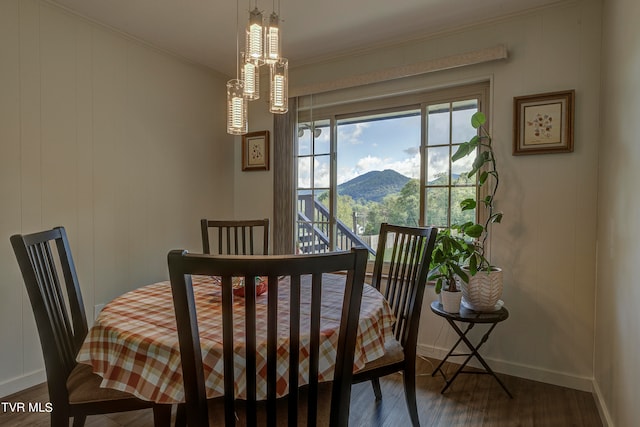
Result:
617,316
546,242
253,190
120,143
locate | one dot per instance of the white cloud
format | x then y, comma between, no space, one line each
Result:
438,162
351,134
412,151
304,172
321,176
368,163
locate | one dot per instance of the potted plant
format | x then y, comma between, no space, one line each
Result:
448,254
482,287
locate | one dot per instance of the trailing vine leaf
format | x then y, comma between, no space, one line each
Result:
468,204
478,119
463,150
474,231
483,177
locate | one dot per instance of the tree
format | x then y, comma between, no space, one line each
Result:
409,201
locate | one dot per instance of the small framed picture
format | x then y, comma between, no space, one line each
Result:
255,151
543,123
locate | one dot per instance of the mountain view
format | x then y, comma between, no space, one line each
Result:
373,186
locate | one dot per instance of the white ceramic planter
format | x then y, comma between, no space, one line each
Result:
483,291
451,301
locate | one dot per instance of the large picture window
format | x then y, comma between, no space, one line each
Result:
364,163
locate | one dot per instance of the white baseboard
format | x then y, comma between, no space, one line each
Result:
517,370
605,416
23,382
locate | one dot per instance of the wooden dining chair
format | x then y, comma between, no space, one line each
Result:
321,403
74,390
237,237
400,273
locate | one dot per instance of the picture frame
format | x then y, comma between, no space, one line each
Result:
255,151
543,123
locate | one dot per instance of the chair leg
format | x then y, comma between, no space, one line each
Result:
409,378
162,415
375,382
78,420
181,415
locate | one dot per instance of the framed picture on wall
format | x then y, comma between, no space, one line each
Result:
255,151
543,123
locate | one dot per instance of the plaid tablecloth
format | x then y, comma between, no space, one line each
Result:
133,344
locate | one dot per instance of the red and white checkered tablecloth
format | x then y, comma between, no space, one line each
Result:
133,344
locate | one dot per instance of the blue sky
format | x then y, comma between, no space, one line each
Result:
384,144
378,145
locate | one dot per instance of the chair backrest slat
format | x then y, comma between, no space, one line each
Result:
408,267
272,349
294,345
63,330
49,285
302,297
314,345
235,237
250,356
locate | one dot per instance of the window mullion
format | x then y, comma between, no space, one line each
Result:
333,182
450,177
423,163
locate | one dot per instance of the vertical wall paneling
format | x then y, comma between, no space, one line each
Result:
58,117
10,196
109,95
84,235
112,139
30,158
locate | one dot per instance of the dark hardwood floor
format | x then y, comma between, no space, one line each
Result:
472,400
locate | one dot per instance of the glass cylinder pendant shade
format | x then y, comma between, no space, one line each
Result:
255,37
279,100
272,42
236,108
250,76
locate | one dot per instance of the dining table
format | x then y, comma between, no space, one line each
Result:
133,343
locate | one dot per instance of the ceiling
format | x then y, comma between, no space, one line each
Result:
204,31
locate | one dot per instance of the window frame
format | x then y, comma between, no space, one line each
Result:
419,100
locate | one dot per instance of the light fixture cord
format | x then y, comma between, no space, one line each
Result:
237,40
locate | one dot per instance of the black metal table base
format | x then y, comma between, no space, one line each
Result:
464,317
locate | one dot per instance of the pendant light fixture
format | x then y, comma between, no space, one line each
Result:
254,45
250,75
272,37
279,100
278,66
262,46
237,123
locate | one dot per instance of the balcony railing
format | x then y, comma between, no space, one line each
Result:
313,229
